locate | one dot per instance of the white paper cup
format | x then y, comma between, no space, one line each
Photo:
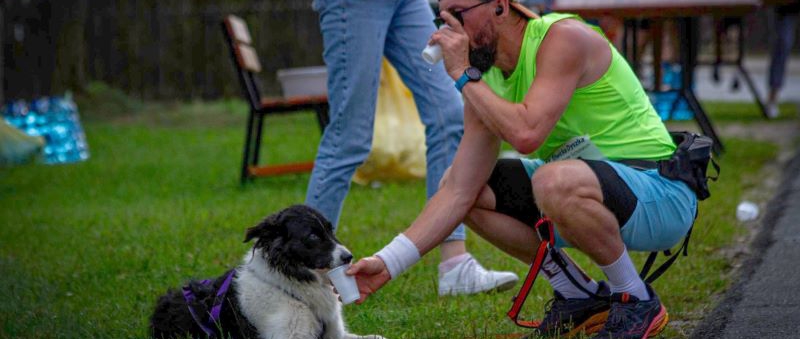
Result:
432,54
345,284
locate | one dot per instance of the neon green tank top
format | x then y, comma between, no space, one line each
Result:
614,111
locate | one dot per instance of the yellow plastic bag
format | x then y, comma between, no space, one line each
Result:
398,142
16,147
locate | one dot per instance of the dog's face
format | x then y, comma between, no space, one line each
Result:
296,241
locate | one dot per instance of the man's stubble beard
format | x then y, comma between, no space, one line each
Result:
482,58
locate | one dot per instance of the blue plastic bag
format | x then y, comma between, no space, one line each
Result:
668,104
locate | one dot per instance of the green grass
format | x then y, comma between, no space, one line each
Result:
747,112
86,248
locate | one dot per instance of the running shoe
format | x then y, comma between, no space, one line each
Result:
567,317
469,277
631,318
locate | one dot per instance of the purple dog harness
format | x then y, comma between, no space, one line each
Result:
213,317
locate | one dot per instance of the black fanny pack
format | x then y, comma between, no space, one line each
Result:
690,162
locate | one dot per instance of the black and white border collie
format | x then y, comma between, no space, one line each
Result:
280,291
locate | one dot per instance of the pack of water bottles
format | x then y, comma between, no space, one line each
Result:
669,104
56,120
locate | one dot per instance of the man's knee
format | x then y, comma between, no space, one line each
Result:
564,183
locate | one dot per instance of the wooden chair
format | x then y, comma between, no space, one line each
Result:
247,66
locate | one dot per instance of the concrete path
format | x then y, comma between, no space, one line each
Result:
758,67
764,302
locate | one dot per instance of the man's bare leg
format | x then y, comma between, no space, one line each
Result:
570,194
520,241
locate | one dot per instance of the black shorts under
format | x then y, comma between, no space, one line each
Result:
513,191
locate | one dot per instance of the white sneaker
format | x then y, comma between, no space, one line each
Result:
772,110
469,277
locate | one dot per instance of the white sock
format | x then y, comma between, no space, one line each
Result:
622,277
558,279
449,264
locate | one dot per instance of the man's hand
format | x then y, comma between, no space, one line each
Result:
371,274
455,45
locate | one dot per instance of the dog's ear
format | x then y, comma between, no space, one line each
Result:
265,227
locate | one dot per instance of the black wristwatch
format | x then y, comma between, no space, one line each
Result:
470,74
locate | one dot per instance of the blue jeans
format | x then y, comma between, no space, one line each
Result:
357,34
785,23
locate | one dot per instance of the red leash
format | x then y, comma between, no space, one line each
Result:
547,241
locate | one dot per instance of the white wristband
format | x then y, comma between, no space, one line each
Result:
399,255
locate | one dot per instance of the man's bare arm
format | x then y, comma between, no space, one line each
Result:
471,168
473,163
571,56
560,65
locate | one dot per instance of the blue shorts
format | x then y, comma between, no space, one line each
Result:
664,212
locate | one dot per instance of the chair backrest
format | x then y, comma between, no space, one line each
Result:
244,56
238,29
247,58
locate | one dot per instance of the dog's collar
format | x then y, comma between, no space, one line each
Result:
216,309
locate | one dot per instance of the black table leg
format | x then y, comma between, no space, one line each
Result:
688,56
702,119
745,74
753,90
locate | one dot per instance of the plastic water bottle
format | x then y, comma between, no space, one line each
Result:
746,211
55,119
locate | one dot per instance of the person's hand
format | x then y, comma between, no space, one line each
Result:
455,45
371,274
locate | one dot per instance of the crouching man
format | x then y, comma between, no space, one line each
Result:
548,85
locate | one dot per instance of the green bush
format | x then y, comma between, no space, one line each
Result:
100,101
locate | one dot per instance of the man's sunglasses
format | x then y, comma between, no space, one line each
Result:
457,14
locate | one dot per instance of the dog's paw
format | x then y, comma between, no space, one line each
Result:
373,336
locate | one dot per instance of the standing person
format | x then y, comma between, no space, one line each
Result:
357,34
785,25
543,84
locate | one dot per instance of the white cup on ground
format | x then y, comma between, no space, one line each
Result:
345,284
746,211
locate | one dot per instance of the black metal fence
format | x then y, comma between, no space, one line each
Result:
148,48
